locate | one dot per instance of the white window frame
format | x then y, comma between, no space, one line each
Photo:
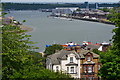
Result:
57,68
71,59
72,70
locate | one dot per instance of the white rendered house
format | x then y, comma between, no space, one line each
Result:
66,61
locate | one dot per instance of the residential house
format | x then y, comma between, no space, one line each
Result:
65,61
81,64
89,63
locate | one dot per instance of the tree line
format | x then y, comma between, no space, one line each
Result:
37,6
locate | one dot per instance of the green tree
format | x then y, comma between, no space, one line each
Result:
105,9
96,51
19,58
52,49
111,60
15,51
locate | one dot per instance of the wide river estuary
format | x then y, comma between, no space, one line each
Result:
48,30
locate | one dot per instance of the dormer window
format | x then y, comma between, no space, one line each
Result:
71,59
88,58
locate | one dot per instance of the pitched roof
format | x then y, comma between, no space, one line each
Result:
61,55
92,46
83,52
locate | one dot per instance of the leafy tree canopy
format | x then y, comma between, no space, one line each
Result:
19,58
111,59
52,49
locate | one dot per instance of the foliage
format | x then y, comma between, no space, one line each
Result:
19,58
52,49
105,9
111,60
96,51
24,21
15,50
0,52
37,6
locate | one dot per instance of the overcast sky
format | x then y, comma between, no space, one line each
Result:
60,0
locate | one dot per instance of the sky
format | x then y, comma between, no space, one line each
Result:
60,0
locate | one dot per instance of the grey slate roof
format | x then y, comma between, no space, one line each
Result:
92,46
61,55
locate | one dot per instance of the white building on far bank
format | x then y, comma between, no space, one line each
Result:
64,11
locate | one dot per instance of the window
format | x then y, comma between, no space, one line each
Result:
84,69
72,70
71,59
89,69
90,78
98,67
67,69
88,58
57,68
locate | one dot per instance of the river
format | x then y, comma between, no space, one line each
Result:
48,30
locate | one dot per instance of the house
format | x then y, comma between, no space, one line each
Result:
89,63
99,46
104,46
83,64
65,61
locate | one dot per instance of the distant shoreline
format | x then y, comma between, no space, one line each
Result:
26,28
85,19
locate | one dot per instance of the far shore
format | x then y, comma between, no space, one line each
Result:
26,28
86,19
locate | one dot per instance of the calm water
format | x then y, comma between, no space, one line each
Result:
53,30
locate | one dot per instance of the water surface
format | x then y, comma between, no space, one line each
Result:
52,30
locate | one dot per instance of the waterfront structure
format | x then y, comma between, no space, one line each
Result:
86,5
82,14
92,14
64,11
96,6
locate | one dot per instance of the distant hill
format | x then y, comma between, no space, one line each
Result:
37,6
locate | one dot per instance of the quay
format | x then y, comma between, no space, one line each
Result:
86,19
94,15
